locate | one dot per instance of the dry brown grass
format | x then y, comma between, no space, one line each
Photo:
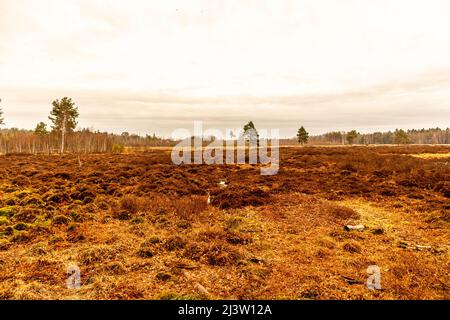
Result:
140,228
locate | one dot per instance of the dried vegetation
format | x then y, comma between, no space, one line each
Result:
140,228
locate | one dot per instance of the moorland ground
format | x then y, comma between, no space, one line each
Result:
140,227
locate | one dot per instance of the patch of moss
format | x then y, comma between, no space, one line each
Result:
4,221
7,211
21,226
232,223
50,208
41,222
138,220
56,239
21,194
60,219
39,249
56,197
32,200
77,217
20,237
4,244
73,227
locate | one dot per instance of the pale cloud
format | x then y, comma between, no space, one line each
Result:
148,66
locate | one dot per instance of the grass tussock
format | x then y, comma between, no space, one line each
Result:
139,227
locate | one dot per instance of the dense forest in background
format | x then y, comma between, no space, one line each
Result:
63,136
81,141
90,141
399,136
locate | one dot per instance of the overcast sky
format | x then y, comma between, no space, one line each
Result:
154,66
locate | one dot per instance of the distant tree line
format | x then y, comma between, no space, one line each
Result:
399,136
80,141
62,136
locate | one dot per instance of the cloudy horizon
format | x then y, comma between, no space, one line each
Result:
152,67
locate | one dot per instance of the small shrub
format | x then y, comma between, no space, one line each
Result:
21,194
130,204
193,252
122,215
20,237
174,243
238,239
7,211
184,224
27,215
232,223
11,201
32,200
103,205
163,276
348,167
138,220
343,213
60,219
3,221
154,240
4,244
220,255
9,231
352,247
234,198
56,198
97,254
20,226
188,208
118,148
76,217
388,193
115,268
145,253
73,227
88,200
55,239
39,249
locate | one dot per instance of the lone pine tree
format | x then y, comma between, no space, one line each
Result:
64,118
41,129
302,136
351,136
